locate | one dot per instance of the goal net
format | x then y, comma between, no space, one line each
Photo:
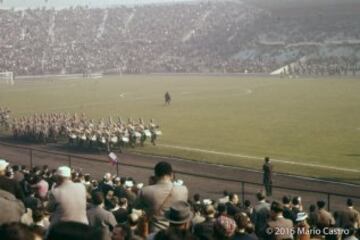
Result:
7,78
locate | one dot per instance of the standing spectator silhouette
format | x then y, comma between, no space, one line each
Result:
267,176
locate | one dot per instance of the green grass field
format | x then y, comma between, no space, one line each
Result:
303,121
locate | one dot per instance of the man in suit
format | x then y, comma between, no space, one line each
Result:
9,185
279,228
349,216
99,217
267,176
67,200
156,199
261,215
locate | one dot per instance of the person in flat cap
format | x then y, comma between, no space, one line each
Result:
67,200
179,216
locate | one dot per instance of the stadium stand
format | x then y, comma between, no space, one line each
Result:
201,36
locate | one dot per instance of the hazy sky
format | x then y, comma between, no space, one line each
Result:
67,3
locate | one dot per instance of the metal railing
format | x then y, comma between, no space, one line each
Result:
70,158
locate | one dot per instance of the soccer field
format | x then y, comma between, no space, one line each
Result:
309,127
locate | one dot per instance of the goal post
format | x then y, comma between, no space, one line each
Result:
7,78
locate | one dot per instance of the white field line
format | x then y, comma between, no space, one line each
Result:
260,158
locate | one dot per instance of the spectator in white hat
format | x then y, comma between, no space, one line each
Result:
8,184
302,227
67,200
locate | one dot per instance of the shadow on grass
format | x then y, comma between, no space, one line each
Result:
353,155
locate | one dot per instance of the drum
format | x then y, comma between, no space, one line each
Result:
125,139
147,133
158,132
137,134
114,139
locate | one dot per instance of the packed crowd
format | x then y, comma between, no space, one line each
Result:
81,131
40,203
182,37
4,117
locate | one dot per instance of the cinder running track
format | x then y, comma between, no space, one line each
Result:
213,180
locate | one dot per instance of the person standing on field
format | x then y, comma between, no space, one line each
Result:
267,176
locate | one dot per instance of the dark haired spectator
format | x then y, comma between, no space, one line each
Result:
349,216
261,215
247,208
232,205
156,199
11,208
245,229
324,219
206,228
99,217
73,231
277,222
312,216
15,231
197,218
121,232
121,212
63,207
288,213
39,218
296,207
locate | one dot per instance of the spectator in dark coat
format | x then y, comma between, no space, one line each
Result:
99,217
267,176
8,184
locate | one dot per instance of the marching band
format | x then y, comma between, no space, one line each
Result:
81,131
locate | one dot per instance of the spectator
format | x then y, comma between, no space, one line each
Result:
156,199
99,217
288,213
121,232
63,207
267,176
312,220
245,228
281,228
301,227
233,205
349,216
261,215
224,228
7,184
247,208
324,219
179,216
11,208
73,231
16,231
206,228
296,207
121,212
